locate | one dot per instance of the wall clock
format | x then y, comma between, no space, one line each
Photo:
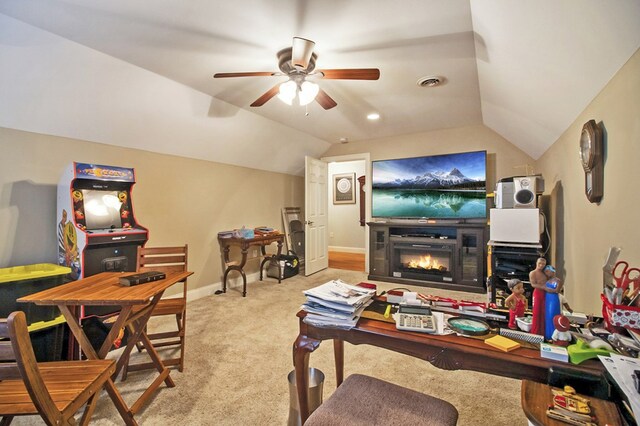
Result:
591,156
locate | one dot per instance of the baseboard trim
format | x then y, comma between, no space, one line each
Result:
210,289
347,249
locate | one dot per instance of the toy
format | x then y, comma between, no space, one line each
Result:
568,407
561,335
516,302
537,278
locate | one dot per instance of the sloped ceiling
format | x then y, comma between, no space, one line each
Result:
524,68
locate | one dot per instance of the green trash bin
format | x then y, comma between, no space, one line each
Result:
20,281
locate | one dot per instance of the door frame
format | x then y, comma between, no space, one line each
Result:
366,156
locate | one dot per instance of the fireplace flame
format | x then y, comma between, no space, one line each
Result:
425,262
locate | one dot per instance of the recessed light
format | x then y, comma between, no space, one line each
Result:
344,140
373,116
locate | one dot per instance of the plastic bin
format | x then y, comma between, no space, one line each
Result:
19,281
49,339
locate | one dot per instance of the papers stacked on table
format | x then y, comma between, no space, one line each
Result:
622,369
336,304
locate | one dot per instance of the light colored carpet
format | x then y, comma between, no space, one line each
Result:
239,352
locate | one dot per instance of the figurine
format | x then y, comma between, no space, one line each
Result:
561,335
516,302
538,279
553,286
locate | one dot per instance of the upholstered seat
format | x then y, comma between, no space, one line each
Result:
364,400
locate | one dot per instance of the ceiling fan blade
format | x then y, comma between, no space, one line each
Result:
352,74
245,74
325,100
266,96
301,52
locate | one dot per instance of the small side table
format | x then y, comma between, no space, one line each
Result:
244,243
536,398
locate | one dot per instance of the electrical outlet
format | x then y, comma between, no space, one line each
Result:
254,253
330,234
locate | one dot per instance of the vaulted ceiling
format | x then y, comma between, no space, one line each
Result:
525,68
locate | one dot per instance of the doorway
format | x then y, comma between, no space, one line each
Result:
347,231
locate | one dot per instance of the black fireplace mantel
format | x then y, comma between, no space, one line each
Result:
462,246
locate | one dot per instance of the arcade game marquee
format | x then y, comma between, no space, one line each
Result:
97,230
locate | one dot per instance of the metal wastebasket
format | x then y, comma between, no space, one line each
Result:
316,381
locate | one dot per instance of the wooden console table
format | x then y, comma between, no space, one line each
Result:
449,352
244,243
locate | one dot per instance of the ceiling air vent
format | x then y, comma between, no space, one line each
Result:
431,81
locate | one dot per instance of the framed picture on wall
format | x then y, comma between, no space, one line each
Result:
344,190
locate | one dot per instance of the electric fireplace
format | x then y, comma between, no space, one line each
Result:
418,259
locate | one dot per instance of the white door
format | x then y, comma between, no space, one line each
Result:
316,246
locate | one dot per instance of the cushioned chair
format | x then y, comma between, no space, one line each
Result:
165,259
54,390
363,400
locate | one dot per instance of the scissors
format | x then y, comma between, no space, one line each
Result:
624,279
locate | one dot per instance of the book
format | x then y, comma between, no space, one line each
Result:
141,278
503,343
557,353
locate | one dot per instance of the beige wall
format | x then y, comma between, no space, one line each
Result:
583,232
180,200
502,159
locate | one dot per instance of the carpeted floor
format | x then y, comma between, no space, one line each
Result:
239,356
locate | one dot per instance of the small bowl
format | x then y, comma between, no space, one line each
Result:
524,323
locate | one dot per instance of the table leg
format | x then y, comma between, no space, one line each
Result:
302,348
338,353
278,257
74,325
226,272
121,406
241,270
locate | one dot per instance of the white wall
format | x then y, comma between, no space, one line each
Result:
345,232
53,86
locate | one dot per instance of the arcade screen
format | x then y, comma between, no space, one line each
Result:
101,209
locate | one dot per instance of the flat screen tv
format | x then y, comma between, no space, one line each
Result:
101,209
450,186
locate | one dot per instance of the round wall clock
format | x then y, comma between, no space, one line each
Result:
591,156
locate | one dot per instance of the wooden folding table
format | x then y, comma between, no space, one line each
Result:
136,303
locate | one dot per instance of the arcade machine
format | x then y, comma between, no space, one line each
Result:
97,230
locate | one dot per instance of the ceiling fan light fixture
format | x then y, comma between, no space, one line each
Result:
287,92
308,92
301,52
373,116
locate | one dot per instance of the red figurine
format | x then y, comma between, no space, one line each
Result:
516,302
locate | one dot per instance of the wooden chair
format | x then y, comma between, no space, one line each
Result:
363,400
55,390
165,259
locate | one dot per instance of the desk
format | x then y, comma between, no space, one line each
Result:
449,352
244,243
104,289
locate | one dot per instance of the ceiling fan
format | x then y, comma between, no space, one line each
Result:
298,63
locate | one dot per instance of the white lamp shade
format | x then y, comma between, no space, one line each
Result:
308,92
287,92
